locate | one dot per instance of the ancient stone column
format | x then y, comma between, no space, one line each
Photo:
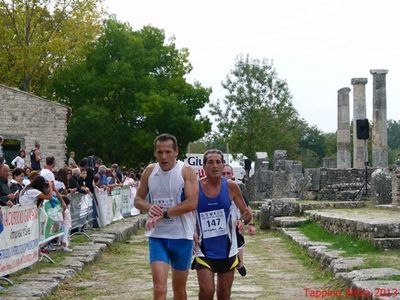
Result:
360,152
379,129
343,131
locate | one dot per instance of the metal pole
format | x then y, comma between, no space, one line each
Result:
366,169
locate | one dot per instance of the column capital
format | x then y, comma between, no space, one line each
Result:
378,71
344,90
359,81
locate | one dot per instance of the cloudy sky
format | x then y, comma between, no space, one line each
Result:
318,46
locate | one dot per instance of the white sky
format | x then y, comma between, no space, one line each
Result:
316,45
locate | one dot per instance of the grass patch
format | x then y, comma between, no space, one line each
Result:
351,245
388,259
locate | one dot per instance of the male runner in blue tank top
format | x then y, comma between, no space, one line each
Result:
172,189
216,251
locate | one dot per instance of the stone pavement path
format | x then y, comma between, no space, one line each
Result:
123,273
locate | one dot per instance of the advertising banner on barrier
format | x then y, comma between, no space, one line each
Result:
81,209
116,204
101,196
50,217
126,201
19,238
134,210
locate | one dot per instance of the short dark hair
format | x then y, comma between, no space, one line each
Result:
38,183
50,160
205,156
83,163
17,171
166,137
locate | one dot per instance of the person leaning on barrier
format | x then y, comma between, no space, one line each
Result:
36,192
82,181
6,197
61,182
172,190
73,184
102,176
27,172
16,184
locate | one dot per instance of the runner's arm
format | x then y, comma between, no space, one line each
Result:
191,189
236,193
141,193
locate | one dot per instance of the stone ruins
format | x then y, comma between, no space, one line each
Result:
26,118
340,180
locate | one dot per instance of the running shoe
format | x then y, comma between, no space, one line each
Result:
242,270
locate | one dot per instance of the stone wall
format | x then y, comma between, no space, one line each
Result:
381,186
29,118
340,184
288,179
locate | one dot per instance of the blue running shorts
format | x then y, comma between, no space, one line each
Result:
177,252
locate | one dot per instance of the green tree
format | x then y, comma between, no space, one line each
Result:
312,147
257,113
130,88
393,135
39,36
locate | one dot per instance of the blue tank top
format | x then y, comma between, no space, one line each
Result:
215,224
35,164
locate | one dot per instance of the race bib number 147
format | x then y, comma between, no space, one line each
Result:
213,223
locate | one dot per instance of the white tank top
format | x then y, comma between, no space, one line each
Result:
166,190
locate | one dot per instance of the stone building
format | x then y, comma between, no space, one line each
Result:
26,118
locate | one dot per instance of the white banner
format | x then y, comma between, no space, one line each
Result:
101,196
116,204
195,160
134,210
114,207
19,238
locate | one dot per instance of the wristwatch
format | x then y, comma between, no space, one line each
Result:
165,213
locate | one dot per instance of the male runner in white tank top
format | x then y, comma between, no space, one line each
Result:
172,190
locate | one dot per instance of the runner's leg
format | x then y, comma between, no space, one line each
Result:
224,284
179,279
159,272
205,278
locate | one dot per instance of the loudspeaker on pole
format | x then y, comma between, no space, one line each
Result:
247,164
362,129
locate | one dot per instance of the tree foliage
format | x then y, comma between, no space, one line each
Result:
315,145
130,88
39,36
393,135
257,113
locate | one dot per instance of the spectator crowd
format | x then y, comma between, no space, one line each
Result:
21,184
